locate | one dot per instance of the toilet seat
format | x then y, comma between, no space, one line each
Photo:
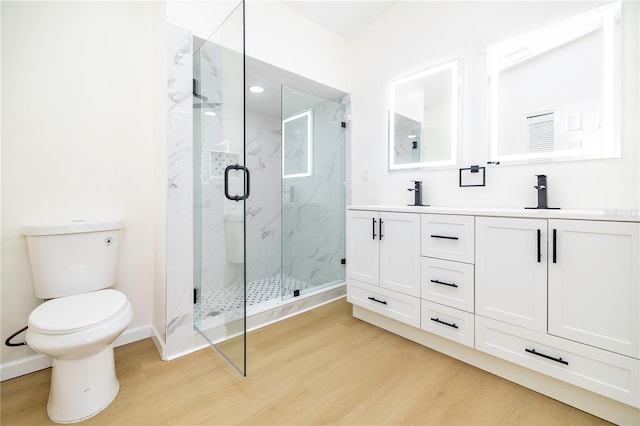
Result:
72,314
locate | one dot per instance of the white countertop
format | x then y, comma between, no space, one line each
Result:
605,214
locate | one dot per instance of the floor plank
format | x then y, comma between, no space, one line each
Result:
320,367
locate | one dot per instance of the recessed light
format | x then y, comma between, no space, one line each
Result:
210,113
256,89
412,136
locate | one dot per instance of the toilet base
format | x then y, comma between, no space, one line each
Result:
81,388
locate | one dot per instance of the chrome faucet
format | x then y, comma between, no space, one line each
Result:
417,193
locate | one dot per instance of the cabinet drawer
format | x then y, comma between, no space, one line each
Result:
448,283
447,322
448,237
612,375
392,304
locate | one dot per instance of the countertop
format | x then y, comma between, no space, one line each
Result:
604,214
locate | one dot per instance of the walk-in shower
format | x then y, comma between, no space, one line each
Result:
285,149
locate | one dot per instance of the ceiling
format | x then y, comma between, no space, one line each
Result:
272,79
343,18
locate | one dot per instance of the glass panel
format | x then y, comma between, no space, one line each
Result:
219,222
313,203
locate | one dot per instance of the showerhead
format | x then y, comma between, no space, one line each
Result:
200,101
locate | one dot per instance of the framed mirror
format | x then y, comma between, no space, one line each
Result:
297,145
555,91
424,111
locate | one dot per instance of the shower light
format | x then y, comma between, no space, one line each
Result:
256,89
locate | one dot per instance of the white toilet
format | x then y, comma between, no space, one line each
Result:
73,264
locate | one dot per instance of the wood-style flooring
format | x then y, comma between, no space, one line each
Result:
320,367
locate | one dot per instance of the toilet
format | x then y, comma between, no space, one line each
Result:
73,265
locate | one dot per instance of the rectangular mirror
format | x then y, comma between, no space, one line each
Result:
555,91
423,118
297,145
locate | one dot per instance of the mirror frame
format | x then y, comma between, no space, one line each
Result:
498,58
452,66
308,115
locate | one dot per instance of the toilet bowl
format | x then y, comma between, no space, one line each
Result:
78,333
73,265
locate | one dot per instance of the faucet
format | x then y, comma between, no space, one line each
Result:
542,194
417,193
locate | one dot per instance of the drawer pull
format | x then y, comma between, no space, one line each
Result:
442,322
376,300
443,283
444,237
560,360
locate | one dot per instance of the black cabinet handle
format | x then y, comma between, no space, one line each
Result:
560,360
443,283
373,228
376,300
554,246
445,323
381,228
539,248
226,182
444,237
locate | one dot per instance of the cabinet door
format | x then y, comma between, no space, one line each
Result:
511,271
363,228
593,284
400,252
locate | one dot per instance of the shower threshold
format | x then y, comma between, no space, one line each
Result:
221,307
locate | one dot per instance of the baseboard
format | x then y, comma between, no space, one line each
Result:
24,365
133,335
158,341
36,362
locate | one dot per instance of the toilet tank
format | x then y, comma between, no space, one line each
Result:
73,257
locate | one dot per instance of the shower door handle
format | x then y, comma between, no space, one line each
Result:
226,183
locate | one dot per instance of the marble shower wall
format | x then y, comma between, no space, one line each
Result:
313,219
219,142
263,218
179,309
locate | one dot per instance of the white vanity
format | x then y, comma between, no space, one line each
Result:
549,299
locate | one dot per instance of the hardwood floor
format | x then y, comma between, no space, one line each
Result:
320,367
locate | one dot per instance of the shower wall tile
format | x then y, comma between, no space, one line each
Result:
263,215
313,237
179,330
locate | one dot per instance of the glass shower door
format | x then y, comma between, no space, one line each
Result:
313,192
221,186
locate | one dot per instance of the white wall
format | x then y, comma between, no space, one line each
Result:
410,37
279,36
79,127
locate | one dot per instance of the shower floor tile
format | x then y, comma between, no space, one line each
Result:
227,300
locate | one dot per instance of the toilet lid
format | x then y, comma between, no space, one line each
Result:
74,313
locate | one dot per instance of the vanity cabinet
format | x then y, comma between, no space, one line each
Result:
383,263
594,296
559,297
511,271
